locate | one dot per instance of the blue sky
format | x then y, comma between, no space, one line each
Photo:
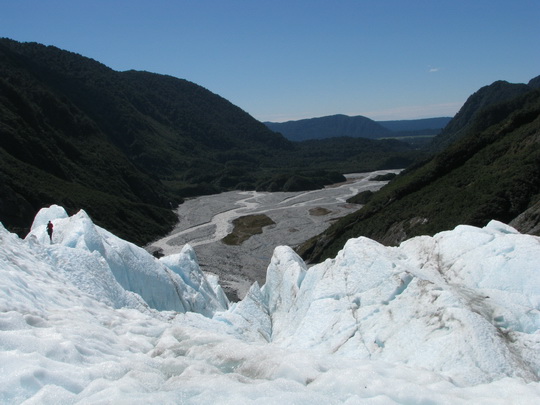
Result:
283,60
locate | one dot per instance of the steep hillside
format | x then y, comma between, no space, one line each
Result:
535,83
122,145
128,146
498,92
491,172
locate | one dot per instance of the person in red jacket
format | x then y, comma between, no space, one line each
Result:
50,230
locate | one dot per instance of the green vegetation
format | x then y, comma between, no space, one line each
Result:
492,171
335,126
319,211
496,93
128,146
245,227
416,141
383,177
361,198
330,127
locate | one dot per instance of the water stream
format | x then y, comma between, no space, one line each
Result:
205,221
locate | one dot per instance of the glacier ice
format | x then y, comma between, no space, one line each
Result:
173,283
452,318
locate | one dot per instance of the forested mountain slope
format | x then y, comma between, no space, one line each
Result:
128,146
123,145
492,171
335,126
330,127
497,92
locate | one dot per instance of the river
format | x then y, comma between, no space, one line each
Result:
205,221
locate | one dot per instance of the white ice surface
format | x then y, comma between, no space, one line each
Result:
173,283
449,319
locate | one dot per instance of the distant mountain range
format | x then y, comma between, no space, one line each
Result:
417,127
357,127
128,146
486,165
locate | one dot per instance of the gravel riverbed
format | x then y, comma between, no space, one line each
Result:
205,221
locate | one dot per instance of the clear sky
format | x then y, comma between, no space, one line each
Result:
283,60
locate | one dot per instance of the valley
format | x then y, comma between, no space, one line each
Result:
297,216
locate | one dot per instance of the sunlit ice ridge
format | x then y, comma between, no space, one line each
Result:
91,318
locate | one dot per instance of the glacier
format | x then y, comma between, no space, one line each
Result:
91,318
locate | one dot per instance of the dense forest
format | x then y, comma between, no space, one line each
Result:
485,165
129,146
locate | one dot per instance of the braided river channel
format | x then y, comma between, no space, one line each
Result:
294,217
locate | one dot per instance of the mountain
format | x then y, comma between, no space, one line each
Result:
535,83
424,126
497,92
329,127
92,318
357,127
129,146
490,171
117,143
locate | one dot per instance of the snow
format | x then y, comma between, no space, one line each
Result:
90,318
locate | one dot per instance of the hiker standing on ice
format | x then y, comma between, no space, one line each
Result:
50,230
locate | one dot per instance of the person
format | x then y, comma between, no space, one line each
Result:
50,230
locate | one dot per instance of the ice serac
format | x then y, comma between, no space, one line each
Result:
452,318
464,303
200,291
32,272
175,284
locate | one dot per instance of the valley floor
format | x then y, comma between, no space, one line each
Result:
205,221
